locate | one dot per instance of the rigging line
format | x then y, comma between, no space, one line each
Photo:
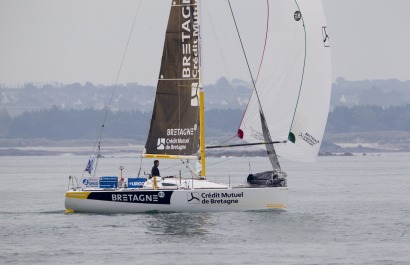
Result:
246,58
222,161
175,165
266,133
263,53
139,171
266,38
217,41
183,163
228,139
212,164
208,165
303,70
119,71
236,145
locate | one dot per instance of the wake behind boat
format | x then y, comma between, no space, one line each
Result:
286,115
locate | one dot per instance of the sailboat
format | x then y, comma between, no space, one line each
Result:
286,115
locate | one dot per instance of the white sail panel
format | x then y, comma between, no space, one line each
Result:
278,81
313,105
294,82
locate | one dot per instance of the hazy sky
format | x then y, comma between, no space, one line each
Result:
84,40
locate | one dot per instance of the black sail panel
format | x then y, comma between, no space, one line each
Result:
174,126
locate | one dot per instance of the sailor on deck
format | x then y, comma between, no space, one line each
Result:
155,170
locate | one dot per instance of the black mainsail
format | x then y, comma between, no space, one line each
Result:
175,123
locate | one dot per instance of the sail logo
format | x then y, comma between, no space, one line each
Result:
136,183
221,198
161,144
193,197
326,41
144,197
134,197
91,182
297,15
180,131
190,39
90,164
308,138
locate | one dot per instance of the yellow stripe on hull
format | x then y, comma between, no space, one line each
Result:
275,206
77,194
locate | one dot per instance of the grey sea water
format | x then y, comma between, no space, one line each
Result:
342,210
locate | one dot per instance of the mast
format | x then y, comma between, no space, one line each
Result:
202,154
202,132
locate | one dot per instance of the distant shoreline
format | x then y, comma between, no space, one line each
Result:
114,150
47,147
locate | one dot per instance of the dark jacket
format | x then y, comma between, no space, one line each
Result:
154,171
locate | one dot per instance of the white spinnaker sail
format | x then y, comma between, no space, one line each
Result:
295,73
278,81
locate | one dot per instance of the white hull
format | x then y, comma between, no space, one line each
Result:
176,200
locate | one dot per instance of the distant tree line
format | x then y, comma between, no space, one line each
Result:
369,118
60,124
